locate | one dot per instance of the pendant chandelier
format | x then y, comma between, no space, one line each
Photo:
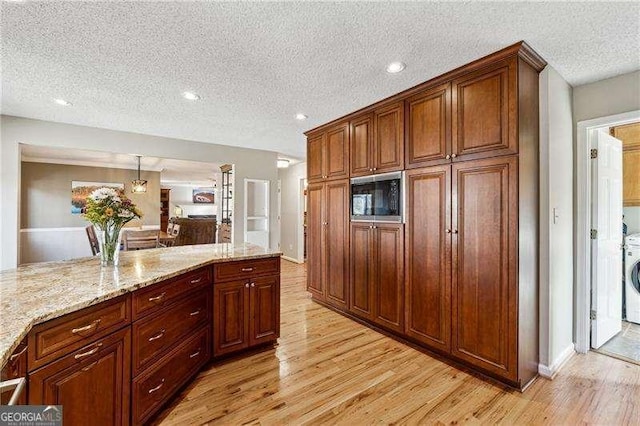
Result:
138,185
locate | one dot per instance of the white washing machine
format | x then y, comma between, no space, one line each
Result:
632,278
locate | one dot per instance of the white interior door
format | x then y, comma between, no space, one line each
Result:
606,275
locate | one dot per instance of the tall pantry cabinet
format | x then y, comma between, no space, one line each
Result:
468,273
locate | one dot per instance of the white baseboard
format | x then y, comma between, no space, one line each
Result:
291,259
549,371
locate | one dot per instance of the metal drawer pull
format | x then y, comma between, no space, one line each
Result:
91,352
195,354
14,356
247,269
196,281
247,285
86,327
158,297
253,284
19,385
152,390
157,336
194,313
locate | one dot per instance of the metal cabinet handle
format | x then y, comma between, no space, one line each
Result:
14,356
17,384
158,297
447,157
375,168
196,281
86,327
152,390
195,354
194,313
448,231
247,269
157,336
88,353
455,231
454,155
247,285
253,284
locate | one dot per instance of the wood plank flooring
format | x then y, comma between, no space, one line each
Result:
328,369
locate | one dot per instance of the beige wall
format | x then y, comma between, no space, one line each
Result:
46,194
607,97
556,220
290,243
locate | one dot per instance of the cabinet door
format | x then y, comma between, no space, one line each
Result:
428,256
485,112
388,152
361,291
362,146
90,383
389,276
485,262
230,313
631,177
315,157
15,368
315,240
264,321
429,127
337,242
337,152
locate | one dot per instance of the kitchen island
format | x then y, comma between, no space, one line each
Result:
136,332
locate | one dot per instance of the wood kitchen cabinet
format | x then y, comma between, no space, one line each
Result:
328,230
92,383
485,290
329,153
246,311
485,111
361,153
15,368
629,134
428,121
377,141
428,256
377,273
465,284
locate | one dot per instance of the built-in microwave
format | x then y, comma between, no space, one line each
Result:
377,198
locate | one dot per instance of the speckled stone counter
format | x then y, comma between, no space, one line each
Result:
39,292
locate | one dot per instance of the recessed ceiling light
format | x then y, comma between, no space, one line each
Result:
62,102
301,116
395,67
191,96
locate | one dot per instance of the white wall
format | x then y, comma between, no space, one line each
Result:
182,195
632,219
556,231
291,212
607,97
249,163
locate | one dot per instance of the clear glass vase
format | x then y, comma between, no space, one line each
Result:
109,239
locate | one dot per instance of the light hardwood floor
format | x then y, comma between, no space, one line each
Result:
328,369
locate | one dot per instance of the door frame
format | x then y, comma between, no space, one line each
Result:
585,131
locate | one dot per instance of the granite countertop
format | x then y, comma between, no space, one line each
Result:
38,292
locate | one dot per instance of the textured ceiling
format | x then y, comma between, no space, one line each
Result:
124,65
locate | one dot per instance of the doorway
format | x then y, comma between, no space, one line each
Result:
256,212
609,159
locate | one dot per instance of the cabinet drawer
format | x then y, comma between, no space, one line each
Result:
245,269
152,388
15,368
153,298
60,336
153,335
